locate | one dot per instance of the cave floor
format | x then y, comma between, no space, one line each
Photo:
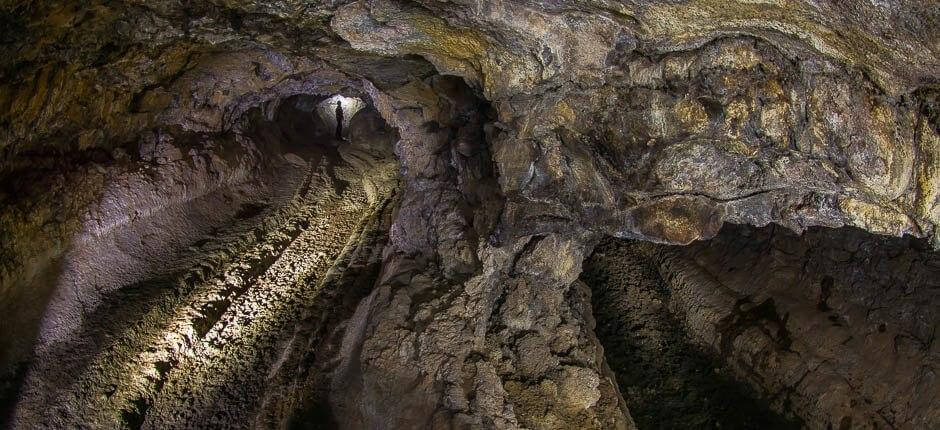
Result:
667,382
197,348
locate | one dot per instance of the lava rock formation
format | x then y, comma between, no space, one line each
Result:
544,214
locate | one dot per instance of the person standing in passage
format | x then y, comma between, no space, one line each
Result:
339,120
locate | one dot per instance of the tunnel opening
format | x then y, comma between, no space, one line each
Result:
764,328
444,158
337,112
209,276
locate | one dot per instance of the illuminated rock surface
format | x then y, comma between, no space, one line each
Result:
184,243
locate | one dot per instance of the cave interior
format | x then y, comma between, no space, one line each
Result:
540,215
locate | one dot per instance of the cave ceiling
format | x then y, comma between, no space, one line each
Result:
802,113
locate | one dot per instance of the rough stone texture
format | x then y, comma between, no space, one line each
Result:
836,327
104,225
192,344
668,381
478,334
853,346
814,109
527,130
743,128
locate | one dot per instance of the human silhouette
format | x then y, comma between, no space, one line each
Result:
339,120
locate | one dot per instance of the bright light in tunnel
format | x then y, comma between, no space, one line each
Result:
351,106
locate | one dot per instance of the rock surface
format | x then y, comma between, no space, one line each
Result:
835,327
164,172
667,379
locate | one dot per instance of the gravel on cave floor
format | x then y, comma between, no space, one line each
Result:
195,350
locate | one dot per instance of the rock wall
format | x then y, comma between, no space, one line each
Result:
665,376
605,126
835,327
461,329
196,298
75,234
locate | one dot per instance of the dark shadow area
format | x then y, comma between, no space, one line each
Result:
667,382
10,384
831,327
21,315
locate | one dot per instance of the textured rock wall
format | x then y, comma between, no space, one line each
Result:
839,324
461,329
666,378
606,125
732,132
76,233
208,322
185,170
610,116
835,327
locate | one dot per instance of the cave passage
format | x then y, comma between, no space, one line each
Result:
763,328
667,381
504,215
338,111
211,288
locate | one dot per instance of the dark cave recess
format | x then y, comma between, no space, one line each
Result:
789,312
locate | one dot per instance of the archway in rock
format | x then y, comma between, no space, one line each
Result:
350,106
